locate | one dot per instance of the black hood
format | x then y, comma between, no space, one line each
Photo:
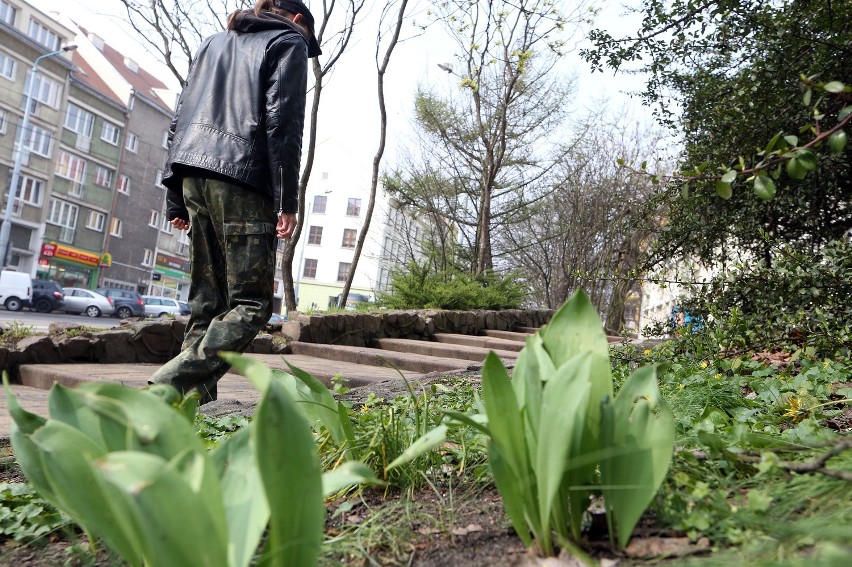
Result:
246,21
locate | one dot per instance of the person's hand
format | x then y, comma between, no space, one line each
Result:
180,224
286,225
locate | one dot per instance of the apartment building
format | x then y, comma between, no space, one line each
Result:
146,254
84,180
26,33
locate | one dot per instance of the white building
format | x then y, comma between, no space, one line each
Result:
335,211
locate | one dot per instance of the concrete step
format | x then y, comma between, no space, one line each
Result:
527,329
508,335
445,350
388,359
490,343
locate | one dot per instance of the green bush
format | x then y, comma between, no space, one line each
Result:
800,300
419,286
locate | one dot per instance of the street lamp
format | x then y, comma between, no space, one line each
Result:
305,237
6,229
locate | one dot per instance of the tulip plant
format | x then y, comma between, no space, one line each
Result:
557,436
127,466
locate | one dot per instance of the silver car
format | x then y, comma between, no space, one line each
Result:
158,305
92,303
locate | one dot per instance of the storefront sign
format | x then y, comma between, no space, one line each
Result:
166,261
62,252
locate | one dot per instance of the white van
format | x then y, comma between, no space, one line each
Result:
16,289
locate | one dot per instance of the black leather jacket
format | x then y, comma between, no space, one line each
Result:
241,114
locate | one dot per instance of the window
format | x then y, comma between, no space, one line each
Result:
62,213
148,260
110,133
167,226
315,235
124,184
44,36
155,219
183,243
158,181
353,209
115,227
166,139
7,67
71,167
4,120
104,177
45,91
349,237
38,141
319,204
343,271
96,221
80,121
310,268
7,13
30,190
132,142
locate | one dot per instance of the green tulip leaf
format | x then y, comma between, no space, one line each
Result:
243,498
638,429
575,328
152,490
290,472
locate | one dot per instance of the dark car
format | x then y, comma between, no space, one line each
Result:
47,296
127,303
184,308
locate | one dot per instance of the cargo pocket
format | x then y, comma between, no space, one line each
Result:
250,252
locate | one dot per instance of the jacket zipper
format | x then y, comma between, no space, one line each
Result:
280,190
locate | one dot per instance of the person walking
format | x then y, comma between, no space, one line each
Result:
231,175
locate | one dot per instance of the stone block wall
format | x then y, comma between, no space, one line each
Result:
156,341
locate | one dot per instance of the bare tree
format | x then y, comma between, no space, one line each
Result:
493,146
589,233
381,69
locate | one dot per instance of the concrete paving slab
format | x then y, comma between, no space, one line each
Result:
446,350
479,341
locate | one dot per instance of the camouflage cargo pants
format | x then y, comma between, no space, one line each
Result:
232,240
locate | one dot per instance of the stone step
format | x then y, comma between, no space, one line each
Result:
445,350
508,335
382,358
490,343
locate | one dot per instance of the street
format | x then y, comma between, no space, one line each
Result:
41,321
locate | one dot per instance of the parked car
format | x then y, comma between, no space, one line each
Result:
353,299
158,305
86,301
126,303
184,308
16,289
47,296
